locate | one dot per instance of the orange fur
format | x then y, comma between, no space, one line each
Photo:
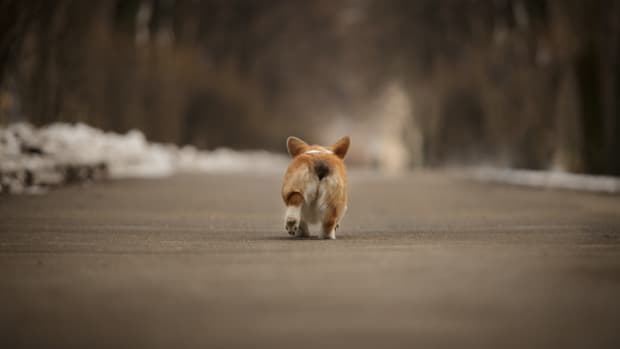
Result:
315,184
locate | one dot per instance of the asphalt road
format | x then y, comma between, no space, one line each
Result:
424,260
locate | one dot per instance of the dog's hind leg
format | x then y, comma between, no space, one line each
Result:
329,224
292,219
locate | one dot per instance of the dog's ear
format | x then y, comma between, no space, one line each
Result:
341,147
295,146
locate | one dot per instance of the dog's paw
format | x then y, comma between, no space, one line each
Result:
292,226
328,236
302,231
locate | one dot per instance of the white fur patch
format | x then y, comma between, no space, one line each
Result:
293,213
319,151
327,186
292,220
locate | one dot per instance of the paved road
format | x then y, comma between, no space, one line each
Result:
423,261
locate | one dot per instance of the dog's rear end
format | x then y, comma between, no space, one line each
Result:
315,187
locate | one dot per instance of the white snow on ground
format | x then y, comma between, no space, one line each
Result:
32,157
547,179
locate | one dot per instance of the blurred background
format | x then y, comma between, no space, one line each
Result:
510,83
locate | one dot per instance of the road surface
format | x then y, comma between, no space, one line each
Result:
203,261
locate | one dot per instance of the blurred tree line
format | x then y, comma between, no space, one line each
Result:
521,83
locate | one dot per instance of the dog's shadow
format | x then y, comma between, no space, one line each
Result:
292,238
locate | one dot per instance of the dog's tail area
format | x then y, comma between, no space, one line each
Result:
321,168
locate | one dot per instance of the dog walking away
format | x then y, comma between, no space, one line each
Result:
315,187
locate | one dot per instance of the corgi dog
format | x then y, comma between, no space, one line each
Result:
315,187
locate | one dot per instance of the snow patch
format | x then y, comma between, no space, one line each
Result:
58,153
548,179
